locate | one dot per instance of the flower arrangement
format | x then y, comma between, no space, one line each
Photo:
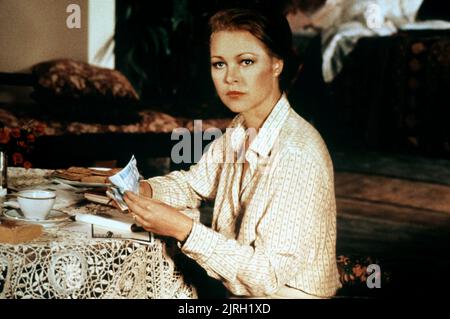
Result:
19,142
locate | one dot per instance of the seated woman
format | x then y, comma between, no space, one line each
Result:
274,224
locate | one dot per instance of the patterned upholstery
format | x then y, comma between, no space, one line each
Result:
79,79
74,90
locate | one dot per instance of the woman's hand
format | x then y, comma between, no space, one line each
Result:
145,189
158,218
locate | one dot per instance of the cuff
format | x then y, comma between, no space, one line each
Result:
193,214
201,242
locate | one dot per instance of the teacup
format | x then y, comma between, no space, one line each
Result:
36,203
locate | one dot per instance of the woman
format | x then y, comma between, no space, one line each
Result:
274,223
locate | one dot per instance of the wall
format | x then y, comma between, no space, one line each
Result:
32,31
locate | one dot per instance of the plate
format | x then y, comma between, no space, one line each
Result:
55,216
77,183
101,169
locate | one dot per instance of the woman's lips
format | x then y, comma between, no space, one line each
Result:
235,94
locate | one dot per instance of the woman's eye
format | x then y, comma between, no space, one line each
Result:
247,62
218,65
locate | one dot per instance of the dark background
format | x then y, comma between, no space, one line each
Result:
388,97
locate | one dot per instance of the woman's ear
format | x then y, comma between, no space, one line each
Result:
277,66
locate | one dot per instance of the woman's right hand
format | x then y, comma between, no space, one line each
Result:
145,189
158,217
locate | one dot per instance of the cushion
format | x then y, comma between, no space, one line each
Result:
80,91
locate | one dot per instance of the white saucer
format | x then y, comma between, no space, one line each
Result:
101,169
55,216
81,184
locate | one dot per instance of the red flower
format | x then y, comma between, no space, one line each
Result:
19,142
22,144
17,158
27,164
39,128
15,132
31,138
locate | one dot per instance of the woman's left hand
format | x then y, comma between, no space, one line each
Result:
158,218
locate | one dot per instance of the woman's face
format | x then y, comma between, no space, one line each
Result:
244,74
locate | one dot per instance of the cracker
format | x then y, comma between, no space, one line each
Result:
79,170
69,176
110,172
95,179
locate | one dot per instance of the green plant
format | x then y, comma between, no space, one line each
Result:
145,35
164,53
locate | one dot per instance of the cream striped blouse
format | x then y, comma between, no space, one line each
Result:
279,229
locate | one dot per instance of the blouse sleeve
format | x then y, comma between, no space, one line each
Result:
291,231
185,189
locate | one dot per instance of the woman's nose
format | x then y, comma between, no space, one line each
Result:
232,75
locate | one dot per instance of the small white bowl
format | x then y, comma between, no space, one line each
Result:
36,203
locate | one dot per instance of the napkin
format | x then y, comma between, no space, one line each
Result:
110,220
13,233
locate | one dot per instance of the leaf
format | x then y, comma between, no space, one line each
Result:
128,13
154,39
175,22
164,40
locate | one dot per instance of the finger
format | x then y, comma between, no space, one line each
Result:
135,199
139,221
134,196
144,202
145,199
136,208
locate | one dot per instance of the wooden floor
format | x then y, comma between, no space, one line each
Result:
395,209
405,224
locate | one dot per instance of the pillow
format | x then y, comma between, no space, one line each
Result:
79,91
79,79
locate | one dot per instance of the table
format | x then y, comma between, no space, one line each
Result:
66,262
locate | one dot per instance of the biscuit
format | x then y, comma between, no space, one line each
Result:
69,176
109,172
79,170
13,233
95,179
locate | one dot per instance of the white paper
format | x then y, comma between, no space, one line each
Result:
103,232
128,178
125,180
105,222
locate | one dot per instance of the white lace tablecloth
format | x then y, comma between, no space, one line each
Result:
63,263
